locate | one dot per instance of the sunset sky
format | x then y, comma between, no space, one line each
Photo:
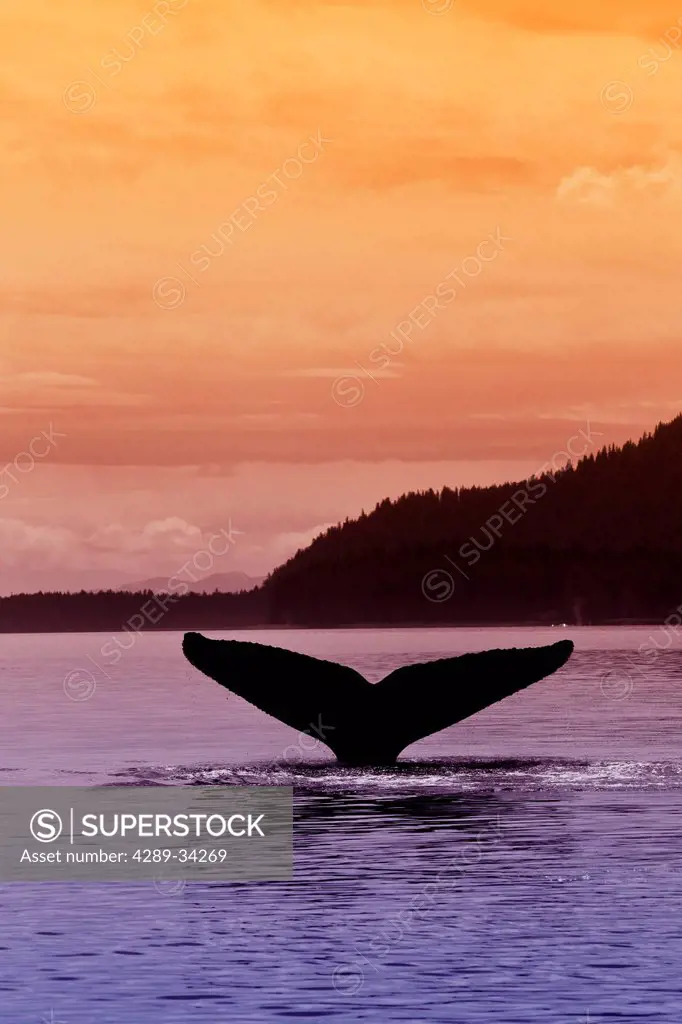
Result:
353,155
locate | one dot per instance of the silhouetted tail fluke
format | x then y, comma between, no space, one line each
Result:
433,695
316,697
362,723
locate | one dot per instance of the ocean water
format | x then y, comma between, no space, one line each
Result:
523,866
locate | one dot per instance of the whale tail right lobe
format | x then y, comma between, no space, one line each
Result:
418,700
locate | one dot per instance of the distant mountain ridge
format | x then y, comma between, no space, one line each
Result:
223,582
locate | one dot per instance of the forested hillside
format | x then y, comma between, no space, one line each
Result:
598,540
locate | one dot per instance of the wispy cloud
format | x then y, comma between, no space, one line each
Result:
590,186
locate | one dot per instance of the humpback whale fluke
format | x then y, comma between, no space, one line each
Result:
365,723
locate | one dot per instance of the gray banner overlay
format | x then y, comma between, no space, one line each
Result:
138,833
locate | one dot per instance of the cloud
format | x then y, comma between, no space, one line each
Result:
331,373
42,557
284,545
161,544
627,17
52,389
47,379
159,537
414,160
623,17
36,380
590,186
34,547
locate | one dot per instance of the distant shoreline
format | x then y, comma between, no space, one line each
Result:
264,627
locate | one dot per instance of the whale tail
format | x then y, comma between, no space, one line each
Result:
361,722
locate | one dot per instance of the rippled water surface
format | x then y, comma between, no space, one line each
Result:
523,866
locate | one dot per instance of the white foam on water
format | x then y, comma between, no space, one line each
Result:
441,777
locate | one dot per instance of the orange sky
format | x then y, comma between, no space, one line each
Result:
247,378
